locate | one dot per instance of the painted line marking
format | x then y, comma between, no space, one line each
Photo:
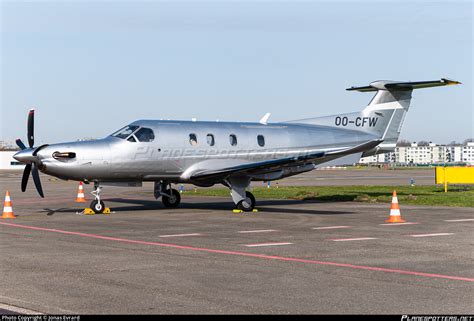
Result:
461,220
256,231
180,235
246,254
394,224
330,227
267,244
354,239
434,234
19,310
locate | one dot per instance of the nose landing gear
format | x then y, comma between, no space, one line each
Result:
97,205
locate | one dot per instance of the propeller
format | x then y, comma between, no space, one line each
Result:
32,161
31,128
20,144
36,179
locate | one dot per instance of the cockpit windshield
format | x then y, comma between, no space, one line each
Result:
125,132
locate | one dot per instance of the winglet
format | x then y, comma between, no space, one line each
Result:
264,119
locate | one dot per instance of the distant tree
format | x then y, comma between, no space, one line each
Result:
423,143
453,143
469,140
8,148
403,143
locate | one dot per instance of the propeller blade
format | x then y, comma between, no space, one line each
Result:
31,128
36,179
20,144
26,175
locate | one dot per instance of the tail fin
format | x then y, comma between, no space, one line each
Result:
384,115
392,101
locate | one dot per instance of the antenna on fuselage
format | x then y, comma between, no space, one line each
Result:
264,119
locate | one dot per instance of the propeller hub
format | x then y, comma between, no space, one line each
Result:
26,156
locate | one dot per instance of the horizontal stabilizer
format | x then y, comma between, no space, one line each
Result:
410,85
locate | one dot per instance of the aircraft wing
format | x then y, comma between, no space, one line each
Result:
316,157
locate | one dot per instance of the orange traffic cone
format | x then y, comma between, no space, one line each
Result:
80,194
7,207
395,216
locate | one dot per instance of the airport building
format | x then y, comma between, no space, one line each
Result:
425,154
468,153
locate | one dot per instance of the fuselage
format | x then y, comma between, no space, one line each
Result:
168,150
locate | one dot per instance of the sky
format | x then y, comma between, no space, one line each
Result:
91,67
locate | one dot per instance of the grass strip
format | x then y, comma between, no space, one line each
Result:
457,196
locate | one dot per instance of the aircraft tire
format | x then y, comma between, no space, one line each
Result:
97,207
173,201
244,205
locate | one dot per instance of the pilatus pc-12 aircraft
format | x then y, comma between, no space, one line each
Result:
205,153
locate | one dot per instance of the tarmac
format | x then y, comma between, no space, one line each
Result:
291,257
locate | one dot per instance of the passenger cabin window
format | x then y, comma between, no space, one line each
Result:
233,139
125,132
261,140
210,139
145,135
193,139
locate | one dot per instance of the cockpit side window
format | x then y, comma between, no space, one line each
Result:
132,139
145,135
125,132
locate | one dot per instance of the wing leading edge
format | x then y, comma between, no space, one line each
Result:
316,157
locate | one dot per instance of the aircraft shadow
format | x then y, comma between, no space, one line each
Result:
50,211
263,206
269,206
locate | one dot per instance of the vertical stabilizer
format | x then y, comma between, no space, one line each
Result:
384,115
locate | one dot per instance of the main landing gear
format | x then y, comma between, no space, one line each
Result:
243,200
169,196
247,204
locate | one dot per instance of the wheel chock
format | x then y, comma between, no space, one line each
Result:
90,211
235,210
